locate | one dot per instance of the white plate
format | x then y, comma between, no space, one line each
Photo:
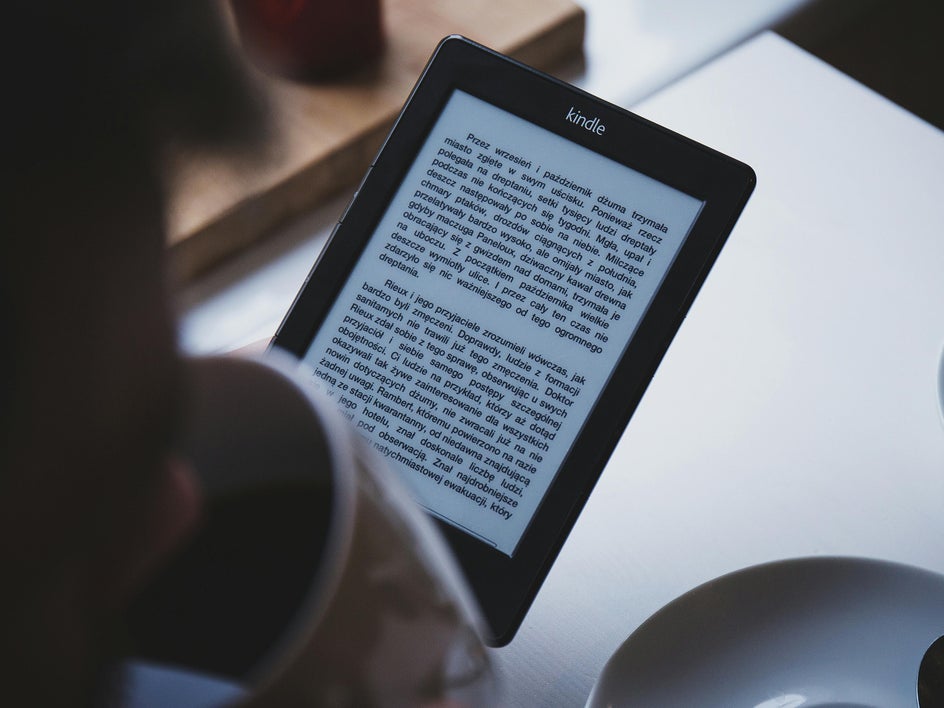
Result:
809,632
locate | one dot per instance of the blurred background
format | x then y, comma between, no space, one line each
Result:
894,48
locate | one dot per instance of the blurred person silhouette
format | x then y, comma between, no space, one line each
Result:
92,497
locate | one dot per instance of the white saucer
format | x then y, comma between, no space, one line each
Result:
809,632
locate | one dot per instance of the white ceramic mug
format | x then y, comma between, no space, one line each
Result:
315,579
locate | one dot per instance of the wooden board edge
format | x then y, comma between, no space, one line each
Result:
255,217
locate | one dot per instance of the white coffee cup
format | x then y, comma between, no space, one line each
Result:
315,579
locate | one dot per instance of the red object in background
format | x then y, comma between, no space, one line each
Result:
308,39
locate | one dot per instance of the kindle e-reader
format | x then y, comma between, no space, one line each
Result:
496,297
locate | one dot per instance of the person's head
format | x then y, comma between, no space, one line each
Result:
90,493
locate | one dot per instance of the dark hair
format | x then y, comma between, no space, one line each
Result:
79,71
93,92
93,95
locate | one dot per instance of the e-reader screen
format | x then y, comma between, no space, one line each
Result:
489,307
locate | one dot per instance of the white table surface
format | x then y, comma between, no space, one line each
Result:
796,413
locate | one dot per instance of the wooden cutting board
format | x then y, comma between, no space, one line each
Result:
328,133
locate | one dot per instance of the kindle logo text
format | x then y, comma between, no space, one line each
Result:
591,124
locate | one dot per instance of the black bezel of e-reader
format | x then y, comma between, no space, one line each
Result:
506,586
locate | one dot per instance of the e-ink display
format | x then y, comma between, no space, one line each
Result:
489,309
